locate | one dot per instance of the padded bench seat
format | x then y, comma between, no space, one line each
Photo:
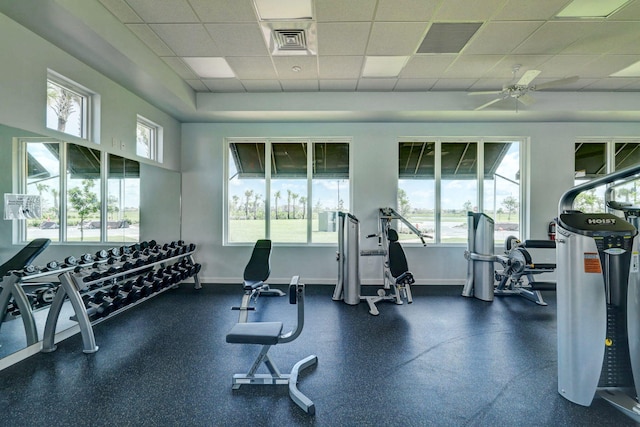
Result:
265,333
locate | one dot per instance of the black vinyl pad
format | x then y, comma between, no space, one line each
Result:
265,333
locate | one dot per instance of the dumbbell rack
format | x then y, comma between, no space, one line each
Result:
74,283
12,287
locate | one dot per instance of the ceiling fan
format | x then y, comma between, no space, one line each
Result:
520,91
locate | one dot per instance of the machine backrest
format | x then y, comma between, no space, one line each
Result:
24,257
259,266
397,259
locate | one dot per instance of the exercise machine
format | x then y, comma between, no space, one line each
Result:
516,275
12,291
598,298
256,272
396,275
269,334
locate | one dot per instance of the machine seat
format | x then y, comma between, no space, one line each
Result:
265,333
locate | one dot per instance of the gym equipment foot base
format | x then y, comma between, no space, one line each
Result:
622,402
283,379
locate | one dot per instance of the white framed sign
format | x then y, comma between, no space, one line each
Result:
22,206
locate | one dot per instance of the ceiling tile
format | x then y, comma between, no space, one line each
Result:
122,11
553,37
561,66
630,12
490,84
406,10
252,67
605,65
610,84
238,39
340,67
391,38
339,38
224,85
606,37
180,67
427,66
504,67
453,84
414,85
465,10
518,10
197,85
163,11
151,39
469,66
224,10
308,65
500,37
187,39
262,85
341,10
299,85
339,85
376,85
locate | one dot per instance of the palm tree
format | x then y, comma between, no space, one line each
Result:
256,199
303,202
62,102
288,203
276,196
234,204
294,196
248,194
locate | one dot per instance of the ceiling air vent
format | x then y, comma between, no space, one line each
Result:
290,39
448,37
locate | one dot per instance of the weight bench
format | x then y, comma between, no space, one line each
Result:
256,272
397,276
268,334
518,264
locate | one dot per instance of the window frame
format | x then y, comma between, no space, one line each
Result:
20,186
269,141
87,116
155,143
480,179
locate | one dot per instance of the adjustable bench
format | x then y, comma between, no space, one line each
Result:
268,334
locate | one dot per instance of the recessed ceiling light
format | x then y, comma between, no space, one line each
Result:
632,70
591,8
283,9
383,66
210,68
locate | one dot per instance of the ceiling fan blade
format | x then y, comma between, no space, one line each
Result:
555,83
527,99
485,92
487,104
528,77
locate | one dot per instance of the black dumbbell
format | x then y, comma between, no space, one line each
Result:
86,258
94,309
127,296
70,261
31,269
102,254
115,301
95,275
114,252
45,295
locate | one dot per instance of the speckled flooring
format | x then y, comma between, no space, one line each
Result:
444,360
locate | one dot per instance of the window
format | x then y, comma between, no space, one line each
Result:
68,106
302,186
74,203
43,179
123,200
441,180
595,158
148,137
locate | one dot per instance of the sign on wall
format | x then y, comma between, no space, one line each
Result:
22,206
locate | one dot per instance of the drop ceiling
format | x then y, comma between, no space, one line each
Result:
499,34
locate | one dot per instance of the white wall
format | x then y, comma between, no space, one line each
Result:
374,183
25,59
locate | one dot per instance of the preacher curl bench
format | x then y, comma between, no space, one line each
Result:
268,334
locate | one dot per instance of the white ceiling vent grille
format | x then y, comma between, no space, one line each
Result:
290,38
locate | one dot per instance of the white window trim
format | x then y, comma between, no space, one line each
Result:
90,119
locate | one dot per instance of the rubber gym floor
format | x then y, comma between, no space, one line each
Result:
444,360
